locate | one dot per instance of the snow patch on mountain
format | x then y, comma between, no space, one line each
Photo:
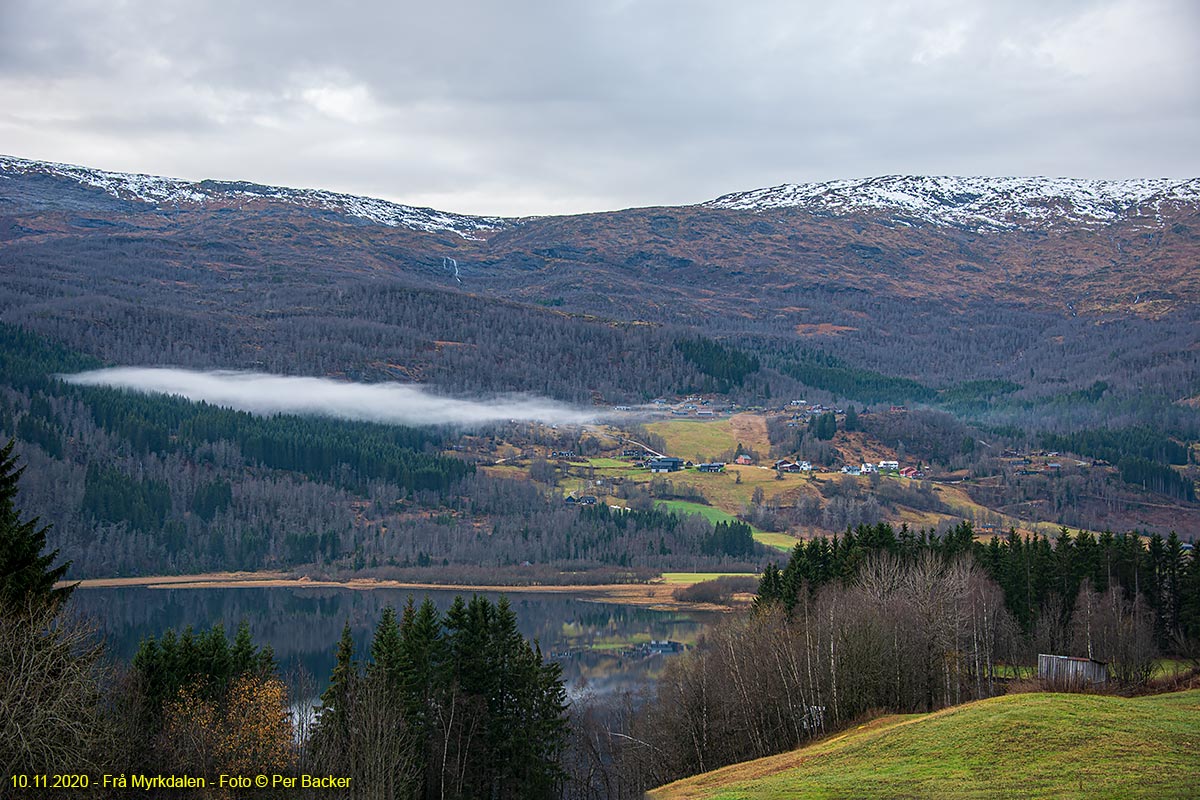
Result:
174,193
977,203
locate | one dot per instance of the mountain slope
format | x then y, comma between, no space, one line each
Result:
1104,287
982,204
172,193
1025,745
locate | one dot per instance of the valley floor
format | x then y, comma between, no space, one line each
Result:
657,595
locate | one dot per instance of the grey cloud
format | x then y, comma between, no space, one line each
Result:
545,106
395,403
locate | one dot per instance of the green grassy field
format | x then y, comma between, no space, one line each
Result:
710,513
1023,745
689,578
780,541
610,463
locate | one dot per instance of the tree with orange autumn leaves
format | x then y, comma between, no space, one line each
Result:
247,732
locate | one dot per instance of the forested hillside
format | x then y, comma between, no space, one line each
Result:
867,304
862,311
135,483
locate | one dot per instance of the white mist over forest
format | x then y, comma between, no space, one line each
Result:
395,403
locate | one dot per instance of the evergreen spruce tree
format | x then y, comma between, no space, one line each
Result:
336,700
214,658
386,654
420,657
1189,611
242,654
26,576
770,587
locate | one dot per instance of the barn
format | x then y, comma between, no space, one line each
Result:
1070,672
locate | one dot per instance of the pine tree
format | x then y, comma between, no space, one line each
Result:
26,576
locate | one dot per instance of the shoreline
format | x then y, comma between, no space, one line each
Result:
655,596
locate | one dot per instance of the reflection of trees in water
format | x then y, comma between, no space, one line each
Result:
303,625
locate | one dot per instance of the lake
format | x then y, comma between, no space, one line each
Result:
594,642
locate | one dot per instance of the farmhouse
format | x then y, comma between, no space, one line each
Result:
788,466
867,468
805,466
665,464
892,465
909,472
744,460
714,466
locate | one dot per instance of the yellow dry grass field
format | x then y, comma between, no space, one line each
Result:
692,439
657,595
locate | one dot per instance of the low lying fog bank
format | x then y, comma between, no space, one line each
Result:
399,403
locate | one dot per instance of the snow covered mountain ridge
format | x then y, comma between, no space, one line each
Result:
174,193
977,203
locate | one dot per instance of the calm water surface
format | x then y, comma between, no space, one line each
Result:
592,641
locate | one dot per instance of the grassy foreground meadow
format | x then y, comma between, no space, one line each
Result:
1021,745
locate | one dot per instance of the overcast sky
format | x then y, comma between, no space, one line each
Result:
553,106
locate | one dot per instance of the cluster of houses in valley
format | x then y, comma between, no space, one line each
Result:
893,467
688,407
656,463
669,464
1043,462
802,409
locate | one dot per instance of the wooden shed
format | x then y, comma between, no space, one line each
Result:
1070,672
